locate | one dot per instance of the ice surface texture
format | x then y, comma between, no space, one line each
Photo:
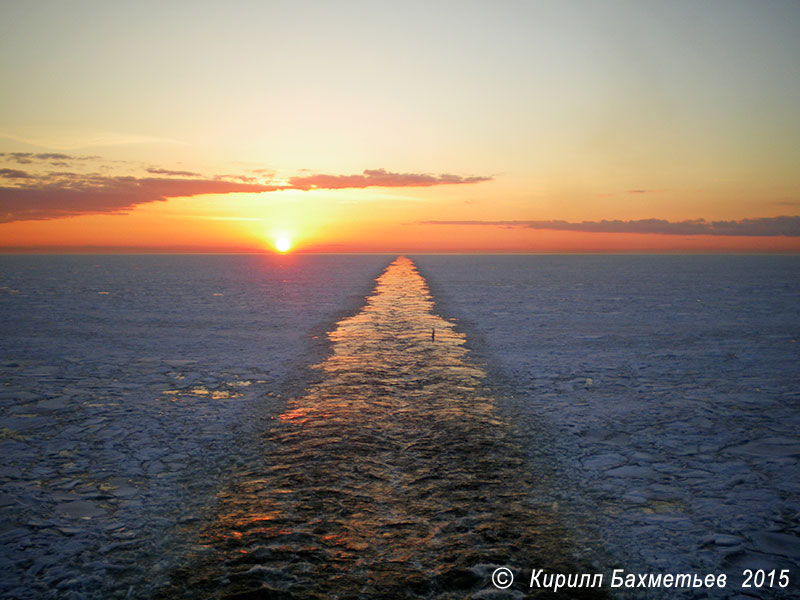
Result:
666,387
133,385
671,386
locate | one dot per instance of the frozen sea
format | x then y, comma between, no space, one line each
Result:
655,401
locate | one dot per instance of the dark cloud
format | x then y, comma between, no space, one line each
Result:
69,194
23,158
377,178
768,226
63,193
15,174
170,172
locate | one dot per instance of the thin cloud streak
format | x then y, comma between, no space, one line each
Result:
378,178
27,158
788,226
98,139
170,172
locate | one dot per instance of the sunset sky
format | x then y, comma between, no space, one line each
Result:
400,126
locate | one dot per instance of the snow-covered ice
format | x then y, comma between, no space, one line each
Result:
659,394
667,388
132,386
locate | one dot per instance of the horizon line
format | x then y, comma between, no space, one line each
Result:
145,252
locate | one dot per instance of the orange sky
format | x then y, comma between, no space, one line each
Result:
531,127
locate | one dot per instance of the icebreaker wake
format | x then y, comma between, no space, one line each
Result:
394,477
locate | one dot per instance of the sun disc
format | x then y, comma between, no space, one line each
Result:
283,244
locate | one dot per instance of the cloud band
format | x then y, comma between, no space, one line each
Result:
759,227
62,194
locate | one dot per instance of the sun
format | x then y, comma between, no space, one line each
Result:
283,244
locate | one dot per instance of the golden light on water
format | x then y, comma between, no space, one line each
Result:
283,244
346,478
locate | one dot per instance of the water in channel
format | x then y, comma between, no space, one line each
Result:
393,477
